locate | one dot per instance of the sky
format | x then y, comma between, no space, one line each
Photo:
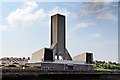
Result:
91,26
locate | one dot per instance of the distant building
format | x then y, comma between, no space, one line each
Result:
10,61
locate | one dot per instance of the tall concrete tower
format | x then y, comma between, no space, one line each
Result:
58,43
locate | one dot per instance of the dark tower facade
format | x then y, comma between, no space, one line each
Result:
58,38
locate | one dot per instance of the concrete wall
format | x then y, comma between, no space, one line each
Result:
61,66
83,67
57,75
58,33
81,57
51,66
61,35
58,37
38,56
85,57
54,29
45,54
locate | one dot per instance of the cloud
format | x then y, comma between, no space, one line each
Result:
56,10
3,27
29,14
26,15
105,0
97,9
84,24
96,35
62,11
101,0
106,14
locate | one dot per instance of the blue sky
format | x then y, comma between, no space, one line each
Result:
91,26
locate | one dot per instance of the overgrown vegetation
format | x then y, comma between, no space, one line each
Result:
99,65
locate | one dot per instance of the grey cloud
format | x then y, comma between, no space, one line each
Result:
98,9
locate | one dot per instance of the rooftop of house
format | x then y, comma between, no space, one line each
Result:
15,59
